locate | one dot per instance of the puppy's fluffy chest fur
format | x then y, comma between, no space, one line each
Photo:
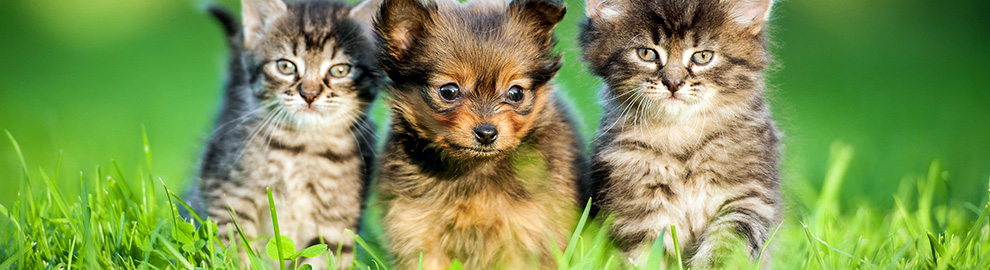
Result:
484,210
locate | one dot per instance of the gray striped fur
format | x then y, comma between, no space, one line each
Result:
316,157
705,161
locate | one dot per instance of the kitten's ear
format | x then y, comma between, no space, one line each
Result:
365,13
401,23
601,9
752,14
541,15
257,14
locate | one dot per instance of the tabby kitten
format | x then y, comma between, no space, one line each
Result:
687,138
294,119
483,162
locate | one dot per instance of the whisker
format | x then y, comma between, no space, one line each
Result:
254,133
279,124
244,117
622,112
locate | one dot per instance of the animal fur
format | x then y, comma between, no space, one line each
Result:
446,194
683,141
304,134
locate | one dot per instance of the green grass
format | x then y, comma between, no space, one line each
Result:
85,76
131,223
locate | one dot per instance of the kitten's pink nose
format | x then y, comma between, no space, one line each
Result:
309,97
309,90
672,84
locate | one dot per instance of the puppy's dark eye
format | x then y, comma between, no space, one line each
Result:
702,57
647,54
515,94
449,92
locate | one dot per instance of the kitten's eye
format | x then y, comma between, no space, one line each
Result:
449,92
647,54
285,67
702,57
515,94
340,70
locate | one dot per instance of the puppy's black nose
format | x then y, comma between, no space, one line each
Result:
485,133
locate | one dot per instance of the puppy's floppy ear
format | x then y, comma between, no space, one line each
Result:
541,15
751,14
257,15
401,23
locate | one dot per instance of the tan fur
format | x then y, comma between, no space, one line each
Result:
501,205
479,218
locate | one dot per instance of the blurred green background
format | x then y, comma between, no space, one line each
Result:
904,82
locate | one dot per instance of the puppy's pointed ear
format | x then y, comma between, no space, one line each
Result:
541,15
601,9
401,23
365,13
257,15
751,14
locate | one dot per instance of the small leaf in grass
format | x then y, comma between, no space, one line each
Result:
142,243
455,265
306,267
194,246
184,232
313,251
288,248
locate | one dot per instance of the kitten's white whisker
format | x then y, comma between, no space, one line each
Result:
618,117
240,119
704,120
354,118
718,124
621,117
275,125
256,130
260,125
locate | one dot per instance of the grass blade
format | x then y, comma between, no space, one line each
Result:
367,247
813,247
278,238
677,247
17,255
17,149
655,257
569,250
244,239
759,258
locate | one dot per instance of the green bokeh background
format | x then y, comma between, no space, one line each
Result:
904,82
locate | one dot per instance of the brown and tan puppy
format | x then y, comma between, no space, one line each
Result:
483,163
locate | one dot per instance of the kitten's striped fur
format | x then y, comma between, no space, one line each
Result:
704,156
305,134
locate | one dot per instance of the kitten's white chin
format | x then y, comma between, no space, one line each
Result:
675,109
306,118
